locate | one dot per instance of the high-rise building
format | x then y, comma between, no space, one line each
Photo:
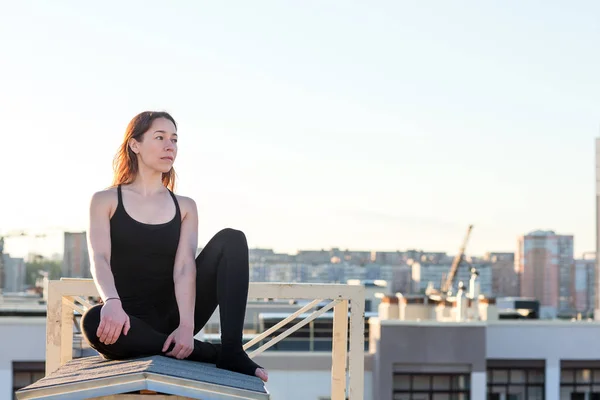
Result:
597,274
545,264
389,257
14,274
505,280
401,280
2,277
583,284
76,260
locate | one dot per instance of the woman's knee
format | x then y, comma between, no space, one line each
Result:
232,236
228,242
90,321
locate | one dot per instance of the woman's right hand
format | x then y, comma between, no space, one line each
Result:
113,320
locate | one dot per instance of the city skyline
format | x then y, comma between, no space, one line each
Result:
543,268
22,246
378,128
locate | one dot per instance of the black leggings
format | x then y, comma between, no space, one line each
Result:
222,275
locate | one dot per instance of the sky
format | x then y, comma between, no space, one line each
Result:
386,125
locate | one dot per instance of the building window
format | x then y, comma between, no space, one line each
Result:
432,386
515,383
579,383
26,373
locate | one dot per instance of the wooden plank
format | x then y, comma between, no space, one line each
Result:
281,323
53,320
148,396
78,287
66,331
304,291
72,304
293,329
357,345
339,351
256,290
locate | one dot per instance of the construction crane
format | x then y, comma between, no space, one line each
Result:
447,285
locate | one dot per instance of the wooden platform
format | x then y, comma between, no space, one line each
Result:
95,377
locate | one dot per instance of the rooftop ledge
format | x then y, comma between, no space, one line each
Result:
521,323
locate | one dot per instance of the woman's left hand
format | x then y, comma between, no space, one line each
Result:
184,343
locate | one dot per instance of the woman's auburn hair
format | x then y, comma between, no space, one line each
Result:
125,163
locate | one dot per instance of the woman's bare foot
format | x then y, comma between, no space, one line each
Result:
262,374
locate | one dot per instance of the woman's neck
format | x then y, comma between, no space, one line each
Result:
147,183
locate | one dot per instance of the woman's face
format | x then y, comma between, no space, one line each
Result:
158,148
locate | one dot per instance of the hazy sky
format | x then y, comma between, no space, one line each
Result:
310,124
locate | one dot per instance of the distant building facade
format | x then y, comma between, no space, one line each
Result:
584,285
14,274
597,269
424,273
505,280
76,260
545,264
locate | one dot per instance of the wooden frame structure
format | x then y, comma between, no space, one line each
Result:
69,294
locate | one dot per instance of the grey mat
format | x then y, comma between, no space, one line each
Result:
89,368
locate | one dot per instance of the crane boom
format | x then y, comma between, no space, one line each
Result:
456,263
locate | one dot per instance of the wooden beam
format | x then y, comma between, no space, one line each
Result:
339,351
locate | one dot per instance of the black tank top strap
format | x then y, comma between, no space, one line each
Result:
177,210
119,196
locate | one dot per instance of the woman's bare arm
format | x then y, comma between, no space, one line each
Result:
99,244
184,273
113,320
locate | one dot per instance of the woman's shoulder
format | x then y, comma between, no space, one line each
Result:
106,193
186,204
105,198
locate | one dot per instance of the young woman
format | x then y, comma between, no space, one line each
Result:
143,238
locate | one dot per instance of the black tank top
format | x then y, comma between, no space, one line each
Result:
142,260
